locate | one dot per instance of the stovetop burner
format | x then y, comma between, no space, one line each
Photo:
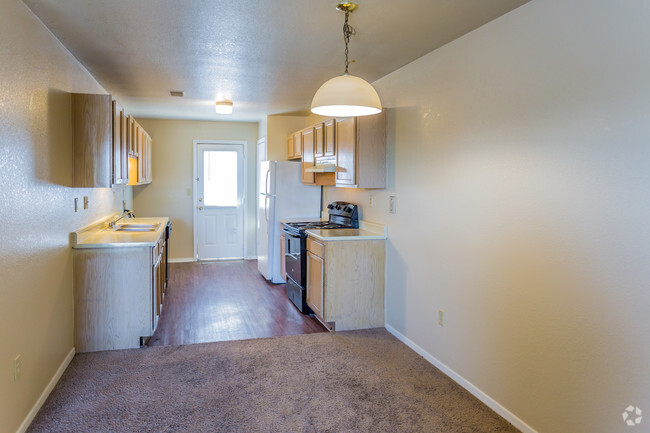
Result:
316,225
342,215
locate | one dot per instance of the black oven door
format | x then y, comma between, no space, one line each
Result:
294,251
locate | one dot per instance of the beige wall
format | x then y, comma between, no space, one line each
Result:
170,193
520,158
37,207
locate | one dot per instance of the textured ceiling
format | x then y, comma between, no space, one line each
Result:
268,56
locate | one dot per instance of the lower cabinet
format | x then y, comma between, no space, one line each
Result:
345,282
283,263
118,295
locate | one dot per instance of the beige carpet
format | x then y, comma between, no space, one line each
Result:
358,381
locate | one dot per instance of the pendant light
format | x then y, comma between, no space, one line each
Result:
346,95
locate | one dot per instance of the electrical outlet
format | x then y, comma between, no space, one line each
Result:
76,204
392,204
441,318
18,364
85,202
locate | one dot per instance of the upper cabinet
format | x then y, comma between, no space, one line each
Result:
139,155
347,152
290,148
104,142
96,142
361,151
120,145
308,142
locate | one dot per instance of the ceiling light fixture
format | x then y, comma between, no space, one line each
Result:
224,107
346,95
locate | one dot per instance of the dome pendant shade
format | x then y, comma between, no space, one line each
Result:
346,96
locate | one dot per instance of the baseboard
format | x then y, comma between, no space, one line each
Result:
46,392
475,391
181,260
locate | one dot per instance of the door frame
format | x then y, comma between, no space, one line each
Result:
195,176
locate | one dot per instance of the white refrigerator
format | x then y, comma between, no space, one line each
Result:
281,195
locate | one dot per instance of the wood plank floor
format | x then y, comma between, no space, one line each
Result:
219,301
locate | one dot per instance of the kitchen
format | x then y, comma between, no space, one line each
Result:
518,160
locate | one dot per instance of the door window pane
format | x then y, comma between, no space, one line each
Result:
220,178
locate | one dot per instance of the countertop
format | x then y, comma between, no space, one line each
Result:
367,231
97,236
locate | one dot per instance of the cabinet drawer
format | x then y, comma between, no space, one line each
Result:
316,247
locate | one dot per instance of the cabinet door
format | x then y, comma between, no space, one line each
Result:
307,136
141,154
283,263
330,138
290,148
124,141
319,140
297,145
155,307
118,161
92,142
346,141
315,283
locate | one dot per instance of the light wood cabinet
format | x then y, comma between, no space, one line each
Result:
353,147
290,148
315,277
345,283
283,263
120,145
297,145
118,295
98,142
140,149
319,140
307,137
329,138
361,151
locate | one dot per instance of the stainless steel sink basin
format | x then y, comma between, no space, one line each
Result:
137,227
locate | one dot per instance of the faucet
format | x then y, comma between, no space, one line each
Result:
125,212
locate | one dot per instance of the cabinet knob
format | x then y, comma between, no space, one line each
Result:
200,207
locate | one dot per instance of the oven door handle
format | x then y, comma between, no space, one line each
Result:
287,232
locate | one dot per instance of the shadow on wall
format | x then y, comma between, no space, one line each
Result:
55,162
396,284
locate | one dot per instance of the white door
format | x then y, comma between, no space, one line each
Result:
220,201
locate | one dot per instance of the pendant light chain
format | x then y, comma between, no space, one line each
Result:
347,32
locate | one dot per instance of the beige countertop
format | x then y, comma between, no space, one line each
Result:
97,236
367,231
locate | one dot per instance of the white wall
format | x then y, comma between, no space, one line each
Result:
37,207
520,158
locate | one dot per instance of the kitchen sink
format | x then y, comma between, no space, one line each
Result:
137,227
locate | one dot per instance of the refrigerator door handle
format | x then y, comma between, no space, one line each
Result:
266,207
268,178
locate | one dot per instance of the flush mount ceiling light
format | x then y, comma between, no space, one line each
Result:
346,95
224,107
